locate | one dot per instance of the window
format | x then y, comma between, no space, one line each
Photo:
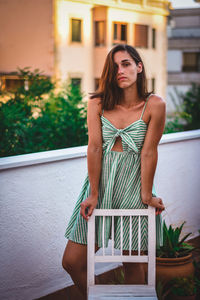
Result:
11,83
99,33
153,38
141,36
191,62
120,33
76,30
153,84
76,82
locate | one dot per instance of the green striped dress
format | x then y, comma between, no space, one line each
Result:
119,188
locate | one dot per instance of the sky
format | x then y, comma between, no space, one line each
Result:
184,3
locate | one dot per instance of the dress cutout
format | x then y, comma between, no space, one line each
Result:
119,188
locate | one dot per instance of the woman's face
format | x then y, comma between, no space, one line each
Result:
127,69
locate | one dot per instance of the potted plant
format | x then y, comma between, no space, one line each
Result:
162,290
174,256
197,275
183,288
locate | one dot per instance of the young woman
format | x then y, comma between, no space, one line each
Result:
125,124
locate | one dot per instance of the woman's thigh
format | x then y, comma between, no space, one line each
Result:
75,255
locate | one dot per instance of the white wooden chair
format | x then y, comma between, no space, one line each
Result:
111,292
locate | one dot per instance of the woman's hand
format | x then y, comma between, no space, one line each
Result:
88,204
157,203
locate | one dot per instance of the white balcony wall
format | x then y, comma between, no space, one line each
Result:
37,195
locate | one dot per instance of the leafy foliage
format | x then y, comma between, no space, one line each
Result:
187,114
191,105
38,84
173,246
15,119
162,290
38,119
173,125
183,286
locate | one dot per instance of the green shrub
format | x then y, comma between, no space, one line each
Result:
187,114
173,125
191,108
38,119
183,286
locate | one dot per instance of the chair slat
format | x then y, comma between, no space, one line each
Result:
121,235
130,236
151,246
103,237
121,258
91,250
139,235
121,212
112,235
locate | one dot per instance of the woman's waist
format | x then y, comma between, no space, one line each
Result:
125,152
122,147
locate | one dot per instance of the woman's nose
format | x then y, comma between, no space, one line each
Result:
120,70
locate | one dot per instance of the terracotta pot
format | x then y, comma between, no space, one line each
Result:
168,268
173,297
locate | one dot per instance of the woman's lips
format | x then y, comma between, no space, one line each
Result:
121,78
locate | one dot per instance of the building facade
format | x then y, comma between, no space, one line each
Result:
26,39
69,39
183,52
87,30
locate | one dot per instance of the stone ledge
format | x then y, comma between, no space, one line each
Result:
78,152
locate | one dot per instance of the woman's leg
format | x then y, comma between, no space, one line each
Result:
134,272
75,263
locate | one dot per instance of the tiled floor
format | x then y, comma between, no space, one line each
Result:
114,276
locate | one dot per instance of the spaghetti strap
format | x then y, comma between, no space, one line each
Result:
144,106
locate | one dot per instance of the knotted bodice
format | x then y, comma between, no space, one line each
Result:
132,136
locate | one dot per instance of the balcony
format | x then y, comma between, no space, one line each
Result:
38,192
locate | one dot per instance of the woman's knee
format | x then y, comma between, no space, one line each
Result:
69,262
65,261
74,258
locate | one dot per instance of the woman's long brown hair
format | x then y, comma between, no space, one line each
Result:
108,91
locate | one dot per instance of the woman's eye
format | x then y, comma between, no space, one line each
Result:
126,64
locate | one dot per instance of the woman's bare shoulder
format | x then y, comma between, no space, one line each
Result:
157,106
156,101
94,104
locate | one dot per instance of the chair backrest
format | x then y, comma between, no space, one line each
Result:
149,258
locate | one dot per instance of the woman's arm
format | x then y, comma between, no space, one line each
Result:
94,155
149,152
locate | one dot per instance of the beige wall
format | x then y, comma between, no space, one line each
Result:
74,59
36,33
85,61
27,35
